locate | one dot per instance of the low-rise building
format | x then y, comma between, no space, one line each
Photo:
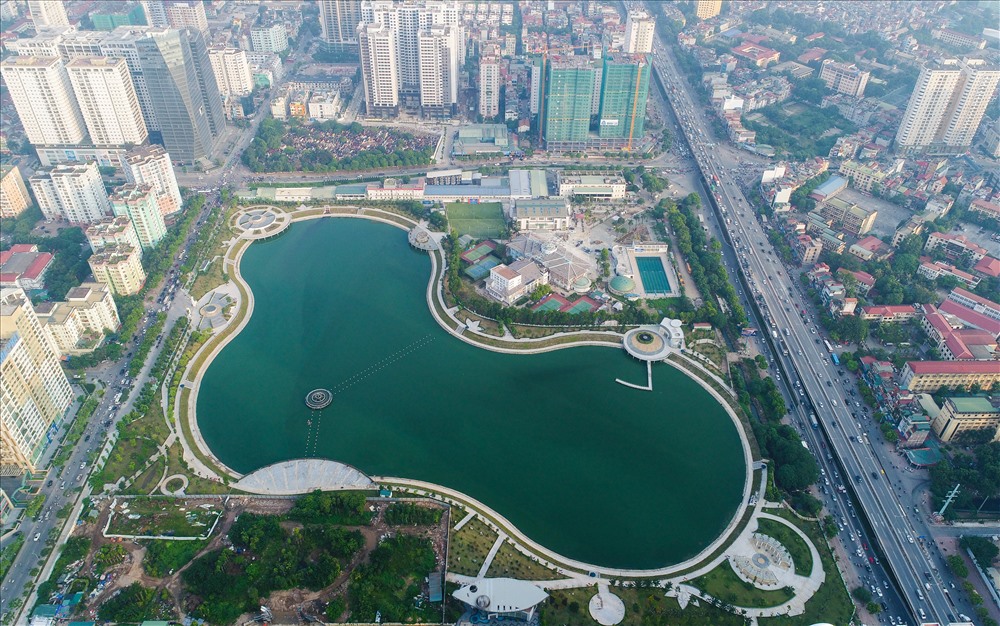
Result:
984,208
853,218
324,106
954,246
975,302
960,415
541,214
592,187
756,54
22,265
807,249
871,248
475,139
890,313
929,376
933,270
392,189
510,283
913,226
120,267
863,177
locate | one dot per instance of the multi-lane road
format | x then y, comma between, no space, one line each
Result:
917,566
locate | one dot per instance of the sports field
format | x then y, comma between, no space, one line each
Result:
479,220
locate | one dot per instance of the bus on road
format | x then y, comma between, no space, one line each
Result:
834,358
829,348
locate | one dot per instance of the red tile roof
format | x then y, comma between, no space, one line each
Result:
989,266
953,367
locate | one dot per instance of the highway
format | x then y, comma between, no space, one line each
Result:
869,472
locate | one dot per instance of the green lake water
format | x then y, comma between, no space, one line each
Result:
589,468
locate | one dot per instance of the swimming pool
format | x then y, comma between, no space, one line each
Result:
652,274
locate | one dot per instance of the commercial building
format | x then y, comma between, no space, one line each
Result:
22,265
35,392
844,78
640,30
110,17
947,106
567,106
14,198
231,70
705,9
71,192
508,284
489,87
541,214
48,13
592,186
187,14
156,13
107,100
624,90
338,20
473,139
78,324
960,415
273,38
150,165
929,376
112,231
379,69
120,267
138,204
43,97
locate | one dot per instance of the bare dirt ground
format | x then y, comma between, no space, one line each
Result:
286,606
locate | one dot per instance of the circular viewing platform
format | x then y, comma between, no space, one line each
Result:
319,399
261,222
420,239
647,343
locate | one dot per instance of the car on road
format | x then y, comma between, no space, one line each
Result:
37,535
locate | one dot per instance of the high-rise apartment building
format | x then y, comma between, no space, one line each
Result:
844,78
232,71
273,38
72,192
566,109
120,267
183,91
624,90
338,20
156,13
35,392
76,324
438,47
489,87
379,69
107,100
43,98
111,231
138,203
187,14
705,9
48,13
150,165
946,106
640,29
14,198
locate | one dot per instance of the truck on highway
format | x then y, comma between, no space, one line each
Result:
813,421
774,334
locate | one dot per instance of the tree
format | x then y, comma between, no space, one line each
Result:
861,594
957,565
540,292
982,549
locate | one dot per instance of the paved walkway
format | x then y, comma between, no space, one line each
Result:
605,607
501,538
303,476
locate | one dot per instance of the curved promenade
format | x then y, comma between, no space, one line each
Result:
449,322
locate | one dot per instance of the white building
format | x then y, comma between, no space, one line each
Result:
379,69
489,87
71,192
107,100
43,97
138,203
593,187
232,71
112,231
77,324
273,38
156,13
35,392
324,105
338,20
541,214
947,105
150,165
844,78
508,284
640,28
439,66
48,13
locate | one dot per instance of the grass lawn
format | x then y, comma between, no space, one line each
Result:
831,603
196,484
723,583
479,220
147,481
469,547
509,562
137,443
643,607
795,545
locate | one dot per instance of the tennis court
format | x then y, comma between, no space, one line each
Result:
479,220
551,302
482,269
652,274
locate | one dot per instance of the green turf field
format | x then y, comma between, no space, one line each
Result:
479,220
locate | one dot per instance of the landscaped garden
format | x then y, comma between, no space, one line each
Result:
723,583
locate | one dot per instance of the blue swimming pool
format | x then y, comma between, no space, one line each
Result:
653,275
